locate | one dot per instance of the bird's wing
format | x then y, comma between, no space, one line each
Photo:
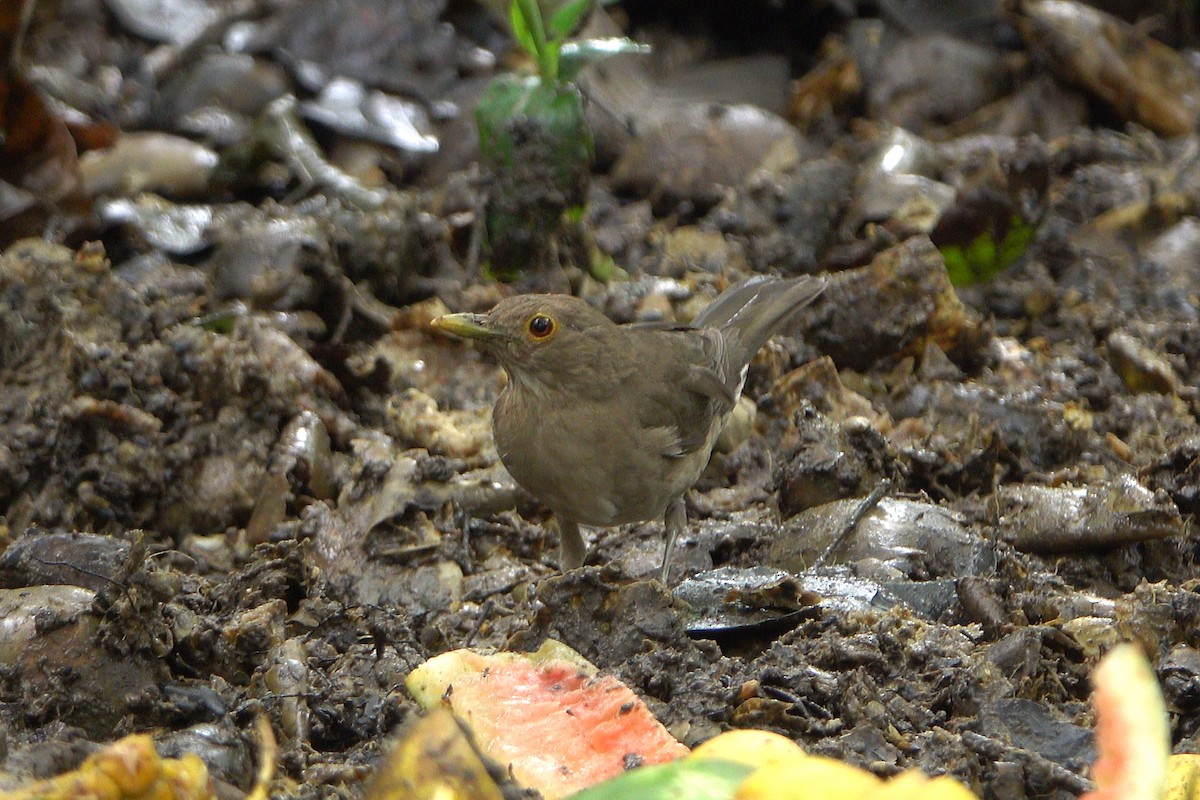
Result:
709,371
657,325
693,391
704,355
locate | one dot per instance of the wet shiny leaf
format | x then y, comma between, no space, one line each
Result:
730,601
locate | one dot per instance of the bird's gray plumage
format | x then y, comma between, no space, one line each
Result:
608,424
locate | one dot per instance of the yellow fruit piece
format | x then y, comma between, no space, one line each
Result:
187,778
132,763
268,754
908,784
750,747
944,787
434,760
915,785
1183,777
809,778
129,769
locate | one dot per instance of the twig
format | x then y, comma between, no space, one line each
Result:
869,502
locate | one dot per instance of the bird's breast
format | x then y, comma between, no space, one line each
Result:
589,461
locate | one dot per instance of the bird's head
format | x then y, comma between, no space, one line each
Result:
541,340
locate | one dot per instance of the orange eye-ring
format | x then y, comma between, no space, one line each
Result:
540,326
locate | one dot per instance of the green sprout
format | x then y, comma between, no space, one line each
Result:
534,144
988,254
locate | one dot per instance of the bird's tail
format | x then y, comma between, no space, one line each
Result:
750,312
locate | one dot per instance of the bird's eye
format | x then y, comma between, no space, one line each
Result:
541,326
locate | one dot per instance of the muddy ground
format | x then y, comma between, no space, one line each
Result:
239,474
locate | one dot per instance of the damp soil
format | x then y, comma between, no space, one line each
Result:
241,476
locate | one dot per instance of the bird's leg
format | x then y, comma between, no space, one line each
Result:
675,521
571,547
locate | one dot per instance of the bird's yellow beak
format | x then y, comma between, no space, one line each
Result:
468,326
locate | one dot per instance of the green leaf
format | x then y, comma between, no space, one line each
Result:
221,322
957,266
545,53
564,20
1016,242
521,29
981,255
605,270
548,65
985,257
695,779
574,56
